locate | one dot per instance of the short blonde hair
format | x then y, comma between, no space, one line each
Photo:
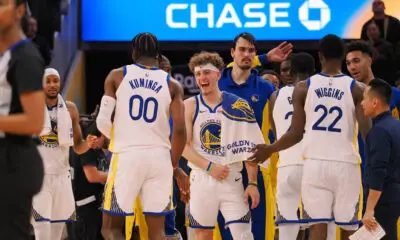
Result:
203,58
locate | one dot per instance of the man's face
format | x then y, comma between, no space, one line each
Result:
285,72
207,80
8,15
243,54
358,65
51,86
166,66
272,79
378,6
373,31
369,103
32,28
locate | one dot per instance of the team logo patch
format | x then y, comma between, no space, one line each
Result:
210,136
255,98
240,110
51,140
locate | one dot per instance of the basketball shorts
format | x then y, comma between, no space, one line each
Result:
143,172
55,202
332,191
208,196
288,194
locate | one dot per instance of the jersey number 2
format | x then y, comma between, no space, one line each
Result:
325,112
142,111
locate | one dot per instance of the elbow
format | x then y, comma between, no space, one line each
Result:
180,131
36,127
91,178
297,136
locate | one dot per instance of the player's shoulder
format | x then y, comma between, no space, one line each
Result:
265,87
71,105
190,105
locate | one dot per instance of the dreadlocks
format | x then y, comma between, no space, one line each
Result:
145,45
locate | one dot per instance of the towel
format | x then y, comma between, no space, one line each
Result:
64,124
47,123
239,129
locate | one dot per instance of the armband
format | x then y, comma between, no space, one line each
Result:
103,120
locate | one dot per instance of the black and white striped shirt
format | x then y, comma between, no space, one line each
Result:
21,71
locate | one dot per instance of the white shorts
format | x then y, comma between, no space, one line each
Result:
147,172
332,191
55,201
288,194
208,196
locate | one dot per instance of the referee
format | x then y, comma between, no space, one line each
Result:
382,170
21,117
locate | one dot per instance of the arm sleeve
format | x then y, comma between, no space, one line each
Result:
89,158
379,148
28,72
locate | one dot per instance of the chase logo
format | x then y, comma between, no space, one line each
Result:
240,111
51,140
210,136
324,14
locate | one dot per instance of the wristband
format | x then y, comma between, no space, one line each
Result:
253,184
209,167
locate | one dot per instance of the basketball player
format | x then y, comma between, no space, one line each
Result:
290,166
327,108
55,204
214,187
143,96
242,80
21,117
359,61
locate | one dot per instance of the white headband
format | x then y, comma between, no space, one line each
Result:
48,72
207,66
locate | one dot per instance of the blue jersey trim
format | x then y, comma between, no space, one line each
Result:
124,71
148,68
353,82
347,223
308,82
201,227
335,76
197,110
168,79
236,221
15,45
208,107
116,213
159,213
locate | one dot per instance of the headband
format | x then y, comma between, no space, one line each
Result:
48,72
207,66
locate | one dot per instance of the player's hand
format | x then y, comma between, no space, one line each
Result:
261,152
219,172
252,193
92,141
280,53
369,221
183,181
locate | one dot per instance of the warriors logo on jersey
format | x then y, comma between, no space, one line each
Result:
210,137
51,140
240,111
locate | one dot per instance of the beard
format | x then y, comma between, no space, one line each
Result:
52,97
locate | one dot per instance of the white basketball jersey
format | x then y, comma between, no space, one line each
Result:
142,109
331,127
55,158
207,134
282,115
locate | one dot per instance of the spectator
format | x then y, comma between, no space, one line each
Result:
39,41
272,77
89,175
382,172
383,56
389,26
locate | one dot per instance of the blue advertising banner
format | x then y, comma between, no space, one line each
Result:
221,20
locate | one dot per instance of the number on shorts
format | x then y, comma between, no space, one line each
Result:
141,111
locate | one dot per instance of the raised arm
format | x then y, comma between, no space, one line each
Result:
107,106
178,118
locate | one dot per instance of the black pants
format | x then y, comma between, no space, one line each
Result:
387,216
88,223
21,177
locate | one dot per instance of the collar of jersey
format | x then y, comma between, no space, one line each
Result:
335,76
146,67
